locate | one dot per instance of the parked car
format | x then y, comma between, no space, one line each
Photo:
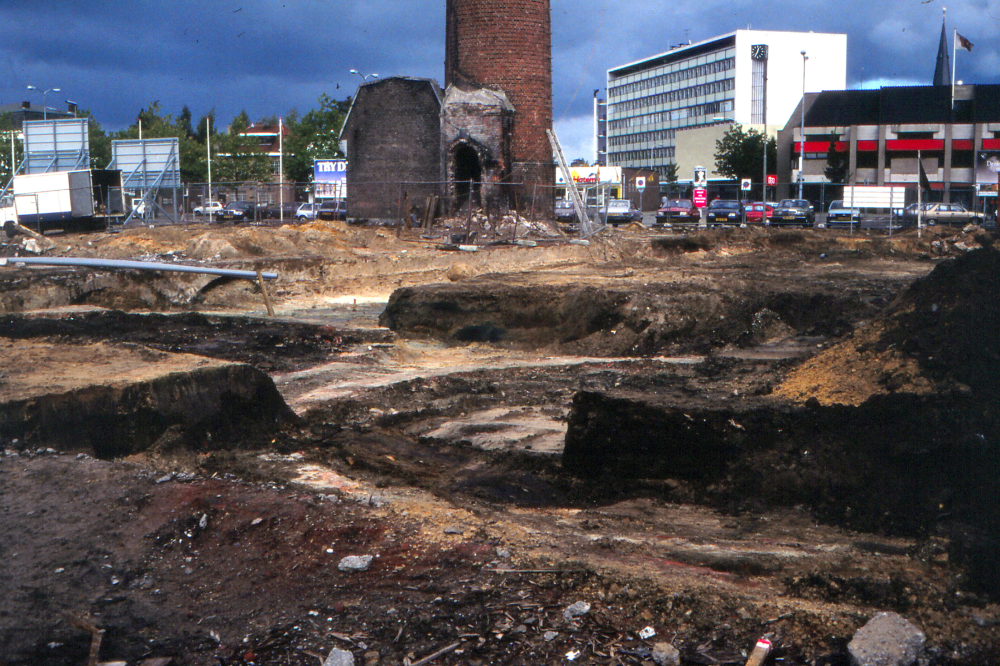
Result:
307,212
212,207
622,211
838,213
565,212
285,211
794,211
677,210
724,211
236,211
759,213
943,213
332,209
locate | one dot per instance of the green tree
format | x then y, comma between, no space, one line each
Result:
314,136
670,173
7,130
740,154
237,157
158,125
837,169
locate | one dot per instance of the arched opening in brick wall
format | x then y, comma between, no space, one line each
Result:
467,170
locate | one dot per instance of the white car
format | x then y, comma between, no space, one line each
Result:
307,212
210,207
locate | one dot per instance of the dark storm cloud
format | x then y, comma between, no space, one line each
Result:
268,56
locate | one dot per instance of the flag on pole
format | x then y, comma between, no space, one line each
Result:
963,42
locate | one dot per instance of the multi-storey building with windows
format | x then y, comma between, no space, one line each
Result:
751,77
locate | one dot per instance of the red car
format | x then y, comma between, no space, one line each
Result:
678,210
759,213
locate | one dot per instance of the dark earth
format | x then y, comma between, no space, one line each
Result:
711,487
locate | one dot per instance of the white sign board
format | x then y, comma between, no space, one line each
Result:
640,183
745,184
870,196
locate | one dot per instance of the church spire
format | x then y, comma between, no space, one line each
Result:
942,70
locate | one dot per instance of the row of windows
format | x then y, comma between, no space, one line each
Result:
673,77
642,137
711,108
675,95
632,156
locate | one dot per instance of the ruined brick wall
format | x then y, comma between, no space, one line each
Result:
507,45
393,136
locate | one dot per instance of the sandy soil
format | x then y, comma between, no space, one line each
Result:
440,459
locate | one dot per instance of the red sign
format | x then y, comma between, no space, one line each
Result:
772,180
700,197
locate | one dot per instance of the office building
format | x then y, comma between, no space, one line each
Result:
671,108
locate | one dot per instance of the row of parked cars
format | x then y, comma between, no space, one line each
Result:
240,211
730,211
799,212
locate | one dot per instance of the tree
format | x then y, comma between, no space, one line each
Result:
670,173
579,162
837,168
7,129
316,135
237,157
740,154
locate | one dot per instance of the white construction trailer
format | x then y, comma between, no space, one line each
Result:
63,199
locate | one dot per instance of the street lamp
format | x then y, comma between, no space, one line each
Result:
364,77
802,127
45,115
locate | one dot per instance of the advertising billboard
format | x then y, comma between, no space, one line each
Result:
330,179
592,175
987,172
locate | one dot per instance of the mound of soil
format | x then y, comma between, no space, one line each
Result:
941,334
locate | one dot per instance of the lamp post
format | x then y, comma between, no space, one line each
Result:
802,127
45,115
364,77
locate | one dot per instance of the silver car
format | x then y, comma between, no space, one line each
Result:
306,212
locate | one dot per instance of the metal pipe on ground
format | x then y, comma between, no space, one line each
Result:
135,265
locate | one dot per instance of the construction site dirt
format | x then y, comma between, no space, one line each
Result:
430,455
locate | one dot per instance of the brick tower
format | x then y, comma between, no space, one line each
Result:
507,45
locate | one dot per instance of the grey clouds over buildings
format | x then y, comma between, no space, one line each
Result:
115,57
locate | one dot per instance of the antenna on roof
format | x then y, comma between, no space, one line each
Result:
687,35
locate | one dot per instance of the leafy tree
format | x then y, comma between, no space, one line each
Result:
237,158
670,173
740,154
837,169
314,136
7,128
100,142
157,125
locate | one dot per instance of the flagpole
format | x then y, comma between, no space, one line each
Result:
954,38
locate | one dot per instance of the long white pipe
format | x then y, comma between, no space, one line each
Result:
134,265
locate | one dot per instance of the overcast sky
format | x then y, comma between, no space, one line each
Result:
271,56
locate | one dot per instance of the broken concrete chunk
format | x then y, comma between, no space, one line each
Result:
887,640
355,563
576,610
339,657
666,654
549,636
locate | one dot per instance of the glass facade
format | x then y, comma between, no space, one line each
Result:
648,102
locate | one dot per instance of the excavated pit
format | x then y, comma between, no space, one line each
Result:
422,453
914,448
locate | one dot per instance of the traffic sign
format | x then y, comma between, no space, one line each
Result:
772,180
700,197
640,183
745,184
